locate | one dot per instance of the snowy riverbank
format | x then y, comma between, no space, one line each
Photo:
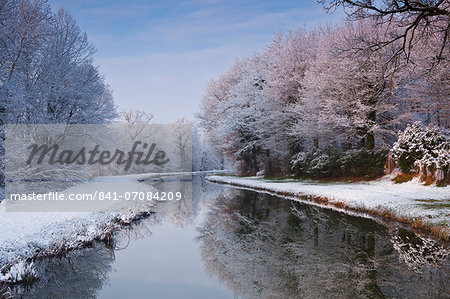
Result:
407,201
26,235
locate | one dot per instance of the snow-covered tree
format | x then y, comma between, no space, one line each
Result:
205,156
137,122
182,138
415,22
313,102
46,69
429,89
290,55
249,111
47,75
217,92
352,99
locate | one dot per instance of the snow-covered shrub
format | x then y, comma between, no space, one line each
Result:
260,173
436,163
321,165
426,150
314,164
300,162
20,272
348,160
361,162
354,162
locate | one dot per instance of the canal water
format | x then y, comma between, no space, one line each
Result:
223,242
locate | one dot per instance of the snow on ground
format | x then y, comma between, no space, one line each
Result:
25,235
406,199
148,176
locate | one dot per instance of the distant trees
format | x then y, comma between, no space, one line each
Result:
325,102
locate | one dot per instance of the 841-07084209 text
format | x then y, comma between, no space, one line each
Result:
98,195
136,195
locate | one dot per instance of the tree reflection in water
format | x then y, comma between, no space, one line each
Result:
79,274
261,246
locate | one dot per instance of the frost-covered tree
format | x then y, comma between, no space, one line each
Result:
46,69
217,92
47,74
415,22
290,55
249,111
352,99
228,113
324,103
137,122
182,135
254,121
24,28
205,156
244,114
429,89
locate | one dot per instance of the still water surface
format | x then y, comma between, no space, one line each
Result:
225,243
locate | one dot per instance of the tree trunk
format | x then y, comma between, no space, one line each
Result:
372,117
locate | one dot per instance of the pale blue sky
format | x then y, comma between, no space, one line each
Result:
158,56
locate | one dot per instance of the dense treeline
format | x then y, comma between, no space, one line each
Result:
330,102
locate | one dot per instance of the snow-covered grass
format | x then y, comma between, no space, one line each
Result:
27,235
20,272
412,202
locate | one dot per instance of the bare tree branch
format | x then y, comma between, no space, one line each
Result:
414,21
